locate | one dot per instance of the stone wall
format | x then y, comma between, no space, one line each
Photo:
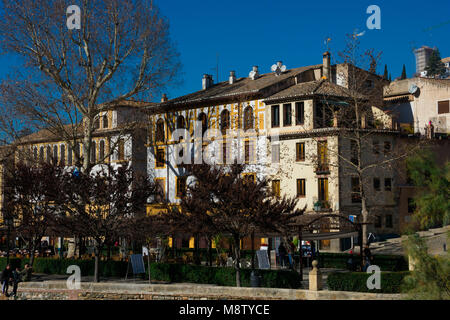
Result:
57,290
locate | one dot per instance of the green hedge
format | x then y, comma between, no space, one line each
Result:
59,266
223,276
385,262
357,281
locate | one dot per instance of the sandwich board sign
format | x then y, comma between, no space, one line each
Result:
263,259
137,263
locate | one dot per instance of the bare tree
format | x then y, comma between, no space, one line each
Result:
122,51
30,200
103,205
234,204
366,135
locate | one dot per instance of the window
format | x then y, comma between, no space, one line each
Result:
249,177
300,151
202,117
354,152
69,156
102,151
275,116
443,107
121,150
160,158
160,189
387,184
225,155
323,189
301,187
63,154
356,195
248,118
181,187
275,153
411,205
389,221
249,152
55,154
94,152
376,147
299,113
376,184
97,123
378,222
35,154
387,147
369,84
105,122
225,121
78,152
41,154
287,114
160,130
181,123
322,152
49,154
276,188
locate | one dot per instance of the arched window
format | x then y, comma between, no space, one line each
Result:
49,153
55,154
102,151
121,155
69,156
105,121
35,154
225,121
77,153
248,118
41,154
62,151
160,130
202,117
97,123
93,152
181,124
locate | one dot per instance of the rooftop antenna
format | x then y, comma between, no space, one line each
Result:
327,43
216,69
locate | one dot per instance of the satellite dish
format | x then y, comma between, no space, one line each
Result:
278,68
413,88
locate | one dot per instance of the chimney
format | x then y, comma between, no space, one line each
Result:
232,78
326,69
254,74
280,64
164,98
207,81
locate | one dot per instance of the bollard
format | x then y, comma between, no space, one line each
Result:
315,277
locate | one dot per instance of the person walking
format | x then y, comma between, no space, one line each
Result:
6,276
368,257
16,278
282,254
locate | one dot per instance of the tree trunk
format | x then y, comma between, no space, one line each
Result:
97,250
32,249
237,254
196,251
87,142
209,251
253,250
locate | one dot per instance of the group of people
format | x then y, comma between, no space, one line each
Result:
13,277
352,264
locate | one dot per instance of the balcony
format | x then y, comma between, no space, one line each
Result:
322,206
322,168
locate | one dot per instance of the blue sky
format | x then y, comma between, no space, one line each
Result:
260,32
